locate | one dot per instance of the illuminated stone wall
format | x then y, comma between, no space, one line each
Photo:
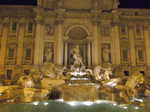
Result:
31,36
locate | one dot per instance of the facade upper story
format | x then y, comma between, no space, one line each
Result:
24,28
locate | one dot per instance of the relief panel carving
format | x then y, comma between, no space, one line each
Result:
50,30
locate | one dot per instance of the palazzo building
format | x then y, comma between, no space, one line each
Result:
32,36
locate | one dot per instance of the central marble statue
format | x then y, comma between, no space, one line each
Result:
77,56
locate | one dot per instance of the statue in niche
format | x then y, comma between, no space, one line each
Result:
48,56
49,30
106,55
77,56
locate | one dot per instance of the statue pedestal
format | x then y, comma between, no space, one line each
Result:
47,83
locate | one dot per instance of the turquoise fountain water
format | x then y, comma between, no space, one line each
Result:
59,106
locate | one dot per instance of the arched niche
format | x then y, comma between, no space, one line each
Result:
77,36
78,29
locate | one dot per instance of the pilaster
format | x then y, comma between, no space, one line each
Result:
147,44
4,41
60,44
132,44
20,43
115,45
95,45
38,48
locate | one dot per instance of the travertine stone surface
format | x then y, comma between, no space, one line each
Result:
60,25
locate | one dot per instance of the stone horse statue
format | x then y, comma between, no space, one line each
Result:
102,73
133,81
130,88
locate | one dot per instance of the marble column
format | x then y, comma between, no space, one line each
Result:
95,50
38,49
132,44
59,44
147,44
89,53
115,45
66,53
20,49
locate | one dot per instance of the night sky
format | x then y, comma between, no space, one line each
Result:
123,4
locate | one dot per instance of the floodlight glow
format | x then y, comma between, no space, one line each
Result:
88,103
45,103
104,101
123,106
72,103
76,73
136,108
35,103
114,104
60,100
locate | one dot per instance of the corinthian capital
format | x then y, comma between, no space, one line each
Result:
39,19
22,21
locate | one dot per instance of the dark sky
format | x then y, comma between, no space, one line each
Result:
123,4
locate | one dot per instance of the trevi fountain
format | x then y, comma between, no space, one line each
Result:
76,85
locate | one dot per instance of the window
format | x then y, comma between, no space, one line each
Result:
11,52
14,27
123,29
28,53
125,54
139,32
27,57
140,55
30,28
8,74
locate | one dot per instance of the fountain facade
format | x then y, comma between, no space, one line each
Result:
87,52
